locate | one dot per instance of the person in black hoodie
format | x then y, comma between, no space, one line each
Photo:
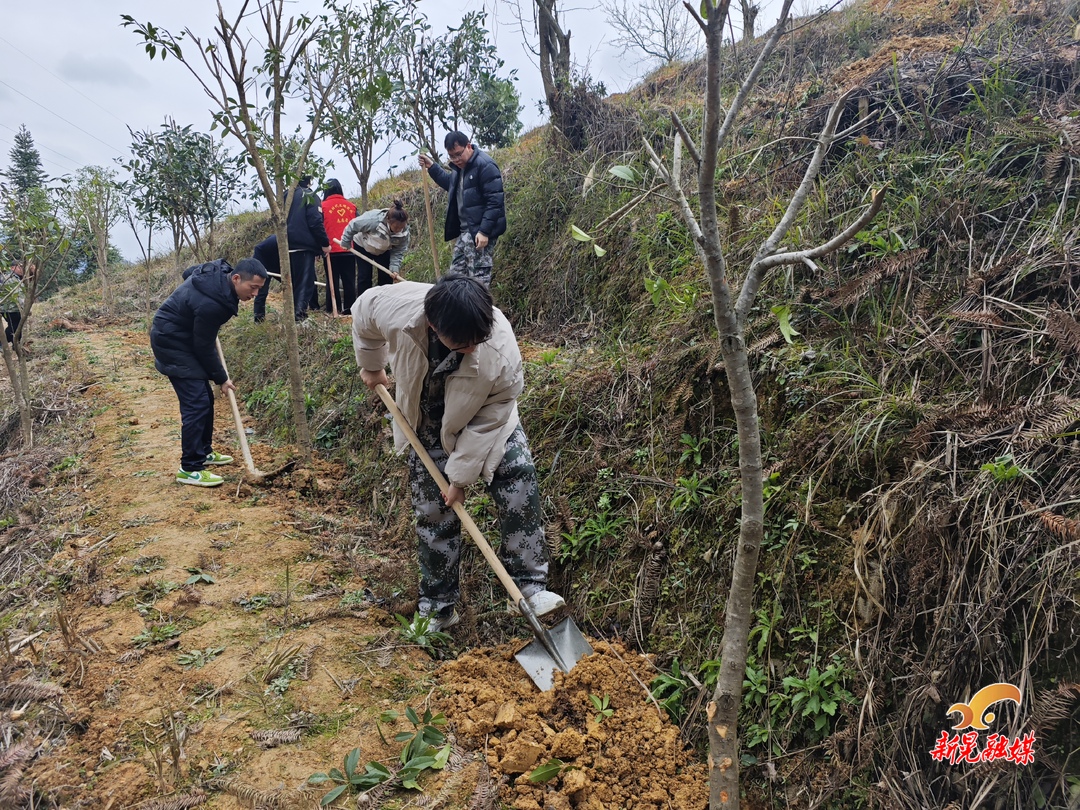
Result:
183,338
307,238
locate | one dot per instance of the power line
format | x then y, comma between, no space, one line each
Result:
69,123
77,90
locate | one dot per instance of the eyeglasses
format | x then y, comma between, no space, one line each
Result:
464,346
458,154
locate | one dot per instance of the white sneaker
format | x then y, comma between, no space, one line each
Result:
439,623
542,602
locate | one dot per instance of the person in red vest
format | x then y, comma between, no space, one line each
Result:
337,213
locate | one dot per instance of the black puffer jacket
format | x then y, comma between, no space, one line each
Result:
185,327
484,210
305,223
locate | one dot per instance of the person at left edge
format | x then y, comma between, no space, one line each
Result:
183,338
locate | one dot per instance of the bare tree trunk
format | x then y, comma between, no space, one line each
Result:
296,379
20,386
750,10
554,55
730,317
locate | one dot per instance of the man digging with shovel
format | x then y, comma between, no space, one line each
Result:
459,373
184,340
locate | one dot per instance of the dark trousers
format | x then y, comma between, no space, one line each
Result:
13,320
258,308
343,268
364,272
302,267
196,421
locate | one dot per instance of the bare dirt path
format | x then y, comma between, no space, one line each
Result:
212,654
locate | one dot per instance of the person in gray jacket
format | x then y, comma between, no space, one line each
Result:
475,214
458,374
381,235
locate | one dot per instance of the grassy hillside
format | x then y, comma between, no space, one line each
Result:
920,429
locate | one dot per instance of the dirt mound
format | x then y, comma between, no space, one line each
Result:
633,757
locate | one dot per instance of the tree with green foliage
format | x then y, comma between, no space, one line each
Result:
359,108
249,79
184,180
94,197
35,238
492,109
436,76
24,171
730,313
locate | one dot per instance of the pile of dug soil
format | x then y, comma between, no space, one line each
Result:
634,758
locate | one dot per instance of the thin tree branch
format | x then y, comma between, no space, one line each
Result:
751,79
684,204
838,241
690,146
697,17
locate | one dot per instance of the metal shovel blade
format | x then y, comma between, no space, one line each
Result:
538,662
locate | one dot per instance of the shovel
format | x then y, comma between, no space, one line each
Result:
254,475
563,645
372,262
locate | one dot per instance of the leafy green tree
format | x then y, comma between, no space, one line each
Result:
359,109
94,197
491,109
181,179
249,78
467,57
436,76
34,237
25,170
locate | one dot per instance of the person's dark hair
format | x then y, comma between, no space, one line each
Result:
248,269
397,213
460,309
332,186
305,181
455,138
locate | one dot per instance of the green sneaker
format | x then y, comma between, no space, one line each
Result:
200,478
216,459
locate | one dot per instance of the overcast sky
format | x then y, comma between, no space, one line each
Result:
78,80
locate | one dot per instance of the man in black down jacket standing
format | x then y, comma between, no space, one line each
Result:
307,238
184,340
475,214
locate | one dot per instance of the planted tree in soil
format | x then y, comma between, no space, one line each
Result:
730,312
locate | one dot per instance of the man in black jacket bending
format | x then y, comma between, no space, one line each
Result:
475,215
184,340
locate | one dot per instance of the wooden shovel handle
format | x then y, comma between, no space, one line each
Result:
371,261
440,479
240,434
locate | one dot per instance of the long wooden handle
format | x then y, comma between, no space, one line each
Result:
248,460
371,261
440,479
278,276
431,224
330,283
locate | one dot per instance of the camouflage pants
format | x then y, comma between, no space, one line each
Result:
470,261
517,499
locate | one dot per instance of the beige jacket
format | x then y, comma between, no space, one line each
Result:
481,396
